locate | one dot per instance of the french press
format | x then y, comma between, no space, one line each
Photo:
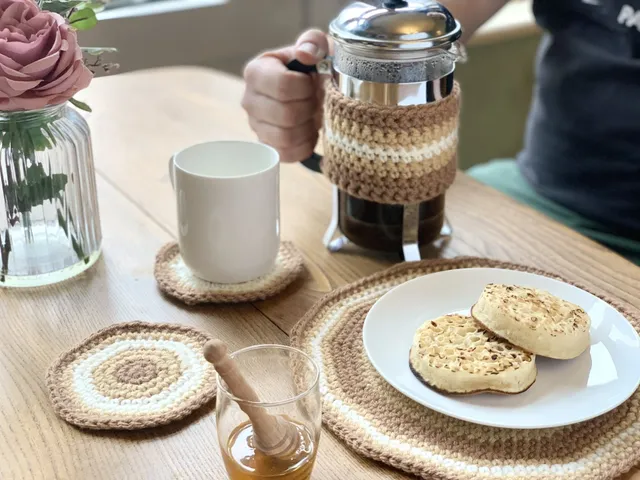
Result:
390,129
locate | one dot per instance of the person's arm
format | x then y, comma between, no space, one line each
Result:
472,14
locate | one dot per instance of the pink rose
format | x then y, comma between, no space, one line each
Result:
40,59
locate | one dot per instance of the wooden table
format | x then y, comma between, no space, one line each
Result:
139,120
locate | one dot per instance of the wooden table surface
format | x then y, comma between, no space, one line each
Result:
139,120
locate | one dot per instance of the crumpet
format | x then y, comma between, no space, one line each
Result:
534,320
454,354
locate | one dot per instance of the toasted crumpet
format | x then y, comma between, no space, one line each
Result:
454,354
534,320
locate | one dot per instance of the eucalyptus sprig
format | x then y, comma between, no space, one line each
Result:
96,62
82,15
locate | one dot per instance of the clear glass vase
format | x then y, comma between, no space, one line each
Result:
50,227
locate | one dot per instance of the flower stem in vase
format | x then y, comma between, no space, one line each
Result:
29,185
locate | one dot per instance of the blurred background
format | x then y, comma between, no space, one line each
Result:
225,34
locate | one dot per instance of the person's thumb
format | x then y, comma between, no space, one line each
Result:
311,47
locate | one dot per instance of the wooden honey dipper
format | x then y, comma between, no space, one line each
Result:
273,435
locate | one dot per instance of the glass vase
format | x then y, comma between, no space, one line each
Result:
50,227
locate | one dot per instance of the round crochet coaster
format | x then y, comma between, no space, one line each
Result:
176,280
379,422
132,375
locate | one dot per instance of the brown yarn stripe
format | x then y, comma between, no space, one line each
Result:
369,184
392,118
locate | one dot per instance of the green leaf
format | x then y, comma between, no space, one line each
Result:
95,51
23,194
62,222
14,140
59,6
6,140
35,173
84,19
58,182
50,138
71,217
78,249
30,142
80,105
36,188
38,139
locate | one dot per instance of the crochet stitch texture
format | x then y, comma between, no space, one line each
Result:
391,154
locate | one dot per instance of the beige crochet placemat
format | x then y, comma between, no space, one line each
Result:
176,280
380,423
132,375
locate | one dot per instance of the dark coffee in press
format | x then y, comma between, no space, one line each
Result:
379,227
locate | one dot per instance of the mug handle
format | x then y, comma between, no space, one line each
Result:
313,162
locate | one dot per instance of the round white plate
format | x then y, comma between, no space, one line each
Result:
565,392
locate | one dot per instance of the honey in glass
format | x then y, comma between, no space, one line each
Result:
285,381
244,462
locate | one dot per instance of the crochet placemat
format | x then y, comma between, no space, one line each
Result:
176,280
132,375
380,423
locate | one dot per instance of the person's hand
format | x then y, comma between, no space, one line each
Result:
285,107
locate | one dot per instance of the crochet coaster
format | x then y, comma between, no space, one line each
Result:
132,375
390,154
176,280
379,422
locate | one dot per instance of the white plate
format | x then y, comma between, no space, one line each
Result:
565,392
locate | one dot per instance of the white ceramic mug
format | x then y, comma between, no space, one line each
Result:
228,199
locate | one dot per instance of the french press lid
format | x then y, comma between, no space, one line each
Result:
395,28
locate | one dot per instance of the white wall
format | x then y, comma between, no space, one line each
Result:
221,34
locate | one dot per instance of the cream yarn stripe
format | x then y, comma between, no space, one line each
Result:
374,134
408,154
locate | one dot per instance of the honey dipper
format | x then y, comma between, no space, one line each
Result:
273,436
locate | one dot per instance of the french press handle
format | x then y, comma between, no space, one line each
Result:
313,162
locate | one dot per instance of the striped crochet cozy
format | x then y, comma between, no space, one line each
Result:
392,155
